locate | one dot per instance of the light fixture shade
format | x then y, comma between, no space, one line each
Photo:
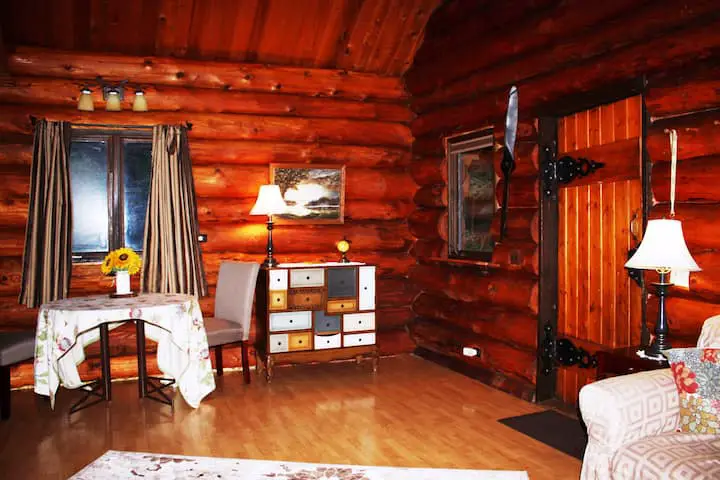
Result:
85,102
140,102
269,201
662,247
113,101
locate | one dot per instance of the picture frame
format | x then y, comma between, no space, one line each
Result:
314,193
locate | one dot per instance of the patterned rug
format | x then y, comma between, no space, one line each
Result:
149,466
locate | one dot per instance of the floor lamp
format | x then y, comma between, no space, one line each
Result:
269,202
663,249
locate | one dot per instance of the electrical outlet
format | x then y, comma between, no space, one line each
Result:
470,352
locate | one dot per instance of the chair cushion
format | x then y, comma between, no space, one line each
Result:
670,456
16,347
696,372
221,331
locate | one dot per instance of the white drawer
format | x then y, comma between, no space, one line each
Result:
307,277
279,343
359,339
357,322
290,321
278,279
327,341
367,288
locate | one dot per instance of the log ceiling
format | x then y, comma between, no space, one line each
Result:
378,36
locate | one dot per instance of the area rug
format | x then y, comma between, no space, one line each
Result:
559,431
115,465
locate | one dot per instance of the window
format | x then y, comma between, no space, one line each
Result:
471,192
110,180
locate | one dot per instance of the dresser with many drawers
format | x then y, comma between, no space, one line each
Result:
315,313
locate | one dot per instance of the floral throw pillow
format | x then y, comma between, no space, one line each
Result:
697,377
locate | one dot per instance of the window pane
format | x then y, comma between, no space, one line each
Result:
88,181
478,201
137,158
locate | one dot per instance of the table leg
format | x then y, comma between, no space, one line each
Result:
105,360
149,387
142,367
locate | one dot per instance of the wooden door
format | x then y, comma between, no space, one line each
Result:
599,306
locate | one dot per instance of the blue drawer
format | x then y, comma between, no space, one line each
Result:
325,323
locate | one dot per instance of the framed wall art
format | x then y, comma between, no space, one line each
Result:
313,193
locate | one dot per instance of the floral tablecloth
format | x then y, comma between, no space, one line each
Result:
174,321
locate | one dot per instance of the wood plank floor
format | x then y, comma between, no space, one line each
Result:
412,413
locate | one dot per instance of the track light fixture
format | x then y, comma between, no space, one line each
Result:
113,94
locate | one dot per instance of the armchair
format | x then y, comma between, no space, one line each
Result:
631,422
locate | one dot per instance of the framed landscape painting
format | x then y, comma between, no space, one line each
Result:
313,193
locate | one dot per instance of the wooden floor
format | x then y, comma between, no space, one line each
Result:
412,413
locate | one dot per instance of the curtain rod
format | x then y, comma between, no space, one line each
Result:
188,125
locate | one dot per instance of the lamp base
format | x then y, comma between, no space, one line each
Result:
269,262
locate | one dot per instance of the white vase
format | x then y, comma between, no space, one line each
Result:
122,282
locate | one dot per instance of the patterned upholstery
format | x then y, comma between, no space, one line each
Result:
629,420
671,455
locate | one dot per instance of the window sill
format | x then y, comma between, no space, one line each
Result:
464,262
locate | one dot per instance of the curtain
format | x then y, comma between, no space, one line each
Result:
172,260
47,259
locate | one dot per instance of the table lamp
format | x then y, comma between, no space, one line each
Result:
269,202
663,249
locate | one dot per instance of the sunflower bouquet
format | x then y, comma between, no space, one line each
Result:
121,260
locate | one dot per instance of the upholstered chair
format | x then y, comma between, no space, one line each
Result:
233,311
15,347
632,421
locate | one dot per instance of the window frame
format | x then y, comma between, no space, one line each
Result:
115,137
455,146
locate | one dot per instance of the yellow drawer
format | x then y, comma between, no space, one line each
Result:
306,300
339,306
278,299
299,341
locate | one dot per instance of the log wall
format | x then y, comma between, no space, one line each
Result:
240,124
564,57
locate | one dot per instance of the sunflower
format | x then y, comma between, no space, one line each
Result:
127,259
108,264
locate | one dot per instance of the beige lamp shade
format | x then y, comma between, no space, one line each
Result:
269,201
85,102
140,102
663,247
112,104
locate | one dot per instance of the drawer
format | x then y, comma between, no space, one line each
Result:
357,322
308,300
278,279
359,339
325,323
366,295
339,306
279,343
299,341
327,341
307,277
342,282
278,300
290,321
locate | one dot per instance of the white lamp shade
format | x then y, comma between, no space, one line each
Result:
85,102
663,246
269,201
113,102
140,102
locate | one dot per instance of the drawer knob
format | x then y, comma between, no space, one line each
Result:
327,324
291,320
342,305
299,342
307,278
307,299
279,343
359,340
365,288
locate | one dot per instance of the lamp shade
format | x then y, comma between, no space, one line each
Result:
663,247
85,102
269,201
140,102
113,101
